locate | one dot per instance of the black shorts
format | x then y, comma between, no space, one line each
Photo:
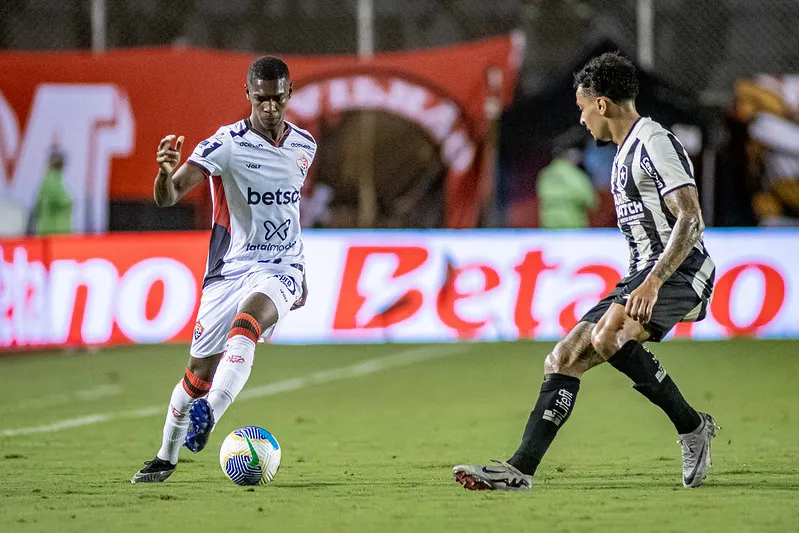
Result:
677,302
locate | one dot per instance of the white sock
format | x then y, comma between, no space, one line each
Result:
176,425
231,374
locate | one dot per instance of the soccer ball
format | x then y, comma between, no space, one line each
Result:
250,456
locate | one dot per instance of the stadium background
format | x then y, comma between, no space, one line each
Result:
435,238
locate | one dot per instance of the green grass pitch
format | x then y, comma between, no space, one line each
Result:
370,434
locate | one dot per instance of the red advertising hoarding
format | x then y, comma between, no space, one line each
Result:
378,286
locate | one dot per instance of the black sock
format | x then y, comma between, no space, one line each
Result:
554,405
649,378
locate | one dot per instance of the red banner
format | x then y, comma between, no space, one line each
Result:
108,111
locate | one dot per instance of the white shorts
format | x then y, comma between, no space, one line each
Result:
222,299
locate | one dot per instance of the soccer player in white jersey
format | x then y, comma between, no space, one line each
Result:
255,273
670,280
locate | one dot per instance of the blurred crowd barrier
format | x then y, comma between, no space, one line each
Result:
704,46
379,286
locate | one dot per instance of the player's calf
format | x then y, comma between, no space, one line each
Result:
236,363
553,408
651,380
200,419
176,425
562,368
184,395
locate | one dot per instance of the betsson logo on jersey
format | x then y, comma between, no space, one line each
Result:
278,197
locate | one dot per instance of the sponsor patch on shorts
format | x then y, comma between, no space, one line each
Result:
288,281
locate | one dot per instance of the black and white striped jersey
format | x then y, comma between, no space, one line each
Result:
649,164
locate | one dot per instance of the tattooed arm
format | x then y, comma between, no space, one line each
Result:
687,231
684,204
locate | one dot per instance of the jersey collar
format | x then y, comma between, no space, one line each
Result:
630,133
280,141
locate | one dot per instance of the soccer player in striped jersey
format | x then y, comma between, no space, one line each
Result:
670,280
255,273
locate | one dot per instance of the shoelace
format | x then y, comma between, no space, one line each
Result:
516,477
505,465
688,457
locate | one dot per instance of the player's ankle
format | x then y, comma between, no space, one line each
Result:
525,465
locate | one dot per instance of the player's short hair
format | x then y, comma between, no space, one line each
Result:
611,75
267,68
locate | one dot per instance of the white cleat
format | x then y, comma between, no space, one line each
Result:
696,452
499,476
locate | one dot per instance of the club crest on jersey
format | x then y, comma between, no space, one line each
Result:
623,176
304,163
198,330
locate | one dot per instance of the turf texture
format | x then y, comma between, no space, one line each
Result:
370,433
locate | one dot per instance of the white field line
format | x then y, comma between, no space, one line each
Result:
370,366
90,394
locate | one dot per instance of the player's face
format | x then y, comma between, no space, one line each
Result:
592,114
269,99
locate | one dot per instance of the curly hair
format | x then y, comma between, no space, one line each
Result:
611,75
267,68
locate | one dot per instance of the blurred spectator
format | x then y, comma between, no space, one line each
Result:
565,193
769,106
13,219
599,163
53,210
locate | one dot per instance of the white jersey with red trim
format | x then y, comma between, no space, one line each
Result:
255,187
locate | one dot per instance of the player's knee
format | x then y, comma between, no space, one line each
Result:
261,309
560,361
605,340
551,364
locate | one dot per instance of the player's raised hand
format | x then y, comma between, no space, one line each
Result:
167,156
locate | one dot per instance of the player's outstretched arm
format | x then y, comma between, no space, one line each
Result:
171,185
684,204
